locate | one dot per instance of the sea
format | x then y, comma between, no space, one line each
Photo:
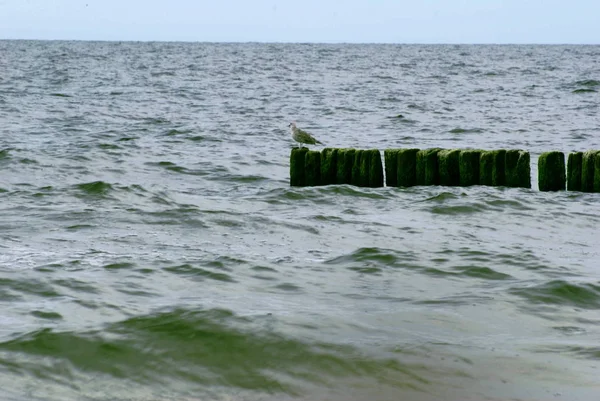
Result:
151,247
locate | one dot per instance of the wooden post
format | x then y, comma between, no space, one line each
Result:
375,168
345,161
587,170
328,166
297,176
312,165
391,167
449,167
574,164
551,171
517,169
427,167
468,162
407,167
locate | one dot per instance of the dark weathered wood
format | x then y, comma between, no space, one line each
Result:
448,167
427,167
312,166
551,171
574,165
468,162
297,171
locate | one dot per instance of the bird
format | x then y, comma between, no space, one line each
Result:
302,136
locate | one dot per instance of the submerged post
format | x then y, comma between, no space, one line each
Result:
312,166
551,171
491,168
328,166
468,162
375,168
297,176
427,167
344,163
356,178
587,170
449,169
407,167
574,171
391,167
517,169
499,171
597,173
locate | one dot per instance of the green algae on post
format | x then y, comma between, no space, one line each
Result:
391,167
427,167
574,163
407,167
597,172
356,165
365,168
312,165
551,171
486,168
345,162
297,176
587,170
517,169
468,163
328,166
448,167
498,171
375,168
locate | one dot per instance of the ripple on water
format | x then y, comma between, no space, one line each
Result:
481,272
376,260
561,293
170,166
198,273
194,348
25,288
96,188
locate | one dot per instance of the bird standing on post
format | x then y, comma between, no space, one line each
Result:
301,136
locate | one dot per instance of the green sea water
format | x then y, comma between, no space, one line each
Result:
151,247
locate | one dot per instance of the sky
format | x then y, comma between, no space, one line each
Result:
322,21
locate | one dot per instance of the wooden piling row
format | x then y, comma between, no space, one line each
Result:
583,171
447,167
361,168
456,167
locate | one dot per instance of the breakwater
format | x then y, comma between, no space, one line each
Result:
446,167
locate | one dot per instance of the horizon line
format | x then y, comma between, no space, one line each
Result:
306,42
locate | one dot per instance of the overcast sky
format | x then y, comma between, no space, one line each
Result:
386,21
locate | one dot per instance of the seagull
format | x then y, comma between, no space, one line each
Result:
302,136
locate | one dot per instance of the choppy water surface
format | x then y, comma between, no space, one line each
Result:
151,247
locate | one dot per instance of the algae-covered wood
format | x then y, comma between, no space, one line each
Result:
587,170
297,158
449,167
391,167
597,172
375,168
328,166
468,163
407,167
356,166
498,171
486,168
427,167
517,169
344,164
551,171
312,166
574,164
